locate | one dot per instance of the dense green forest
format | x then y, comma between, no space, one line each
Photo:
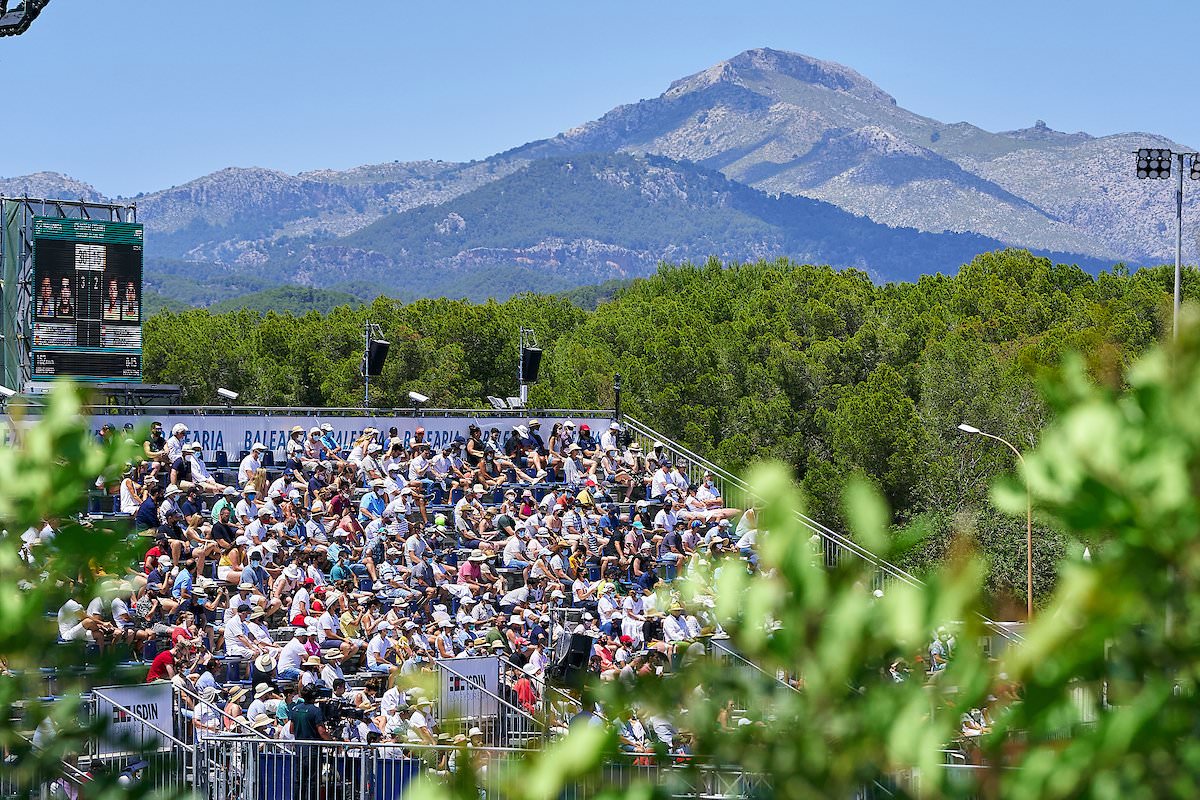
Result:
820,368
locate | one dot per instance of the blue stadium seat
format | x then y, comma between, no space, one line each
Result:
221,460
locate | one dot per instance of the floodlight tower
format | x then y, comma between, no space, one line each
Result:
1154,163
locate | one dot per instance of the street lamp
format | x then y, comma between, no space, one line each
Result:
965,428
1154,163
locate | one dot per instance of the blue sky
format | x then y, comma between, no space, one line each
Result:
137,95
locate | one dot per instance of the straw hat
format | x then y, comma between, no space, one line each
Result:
264,663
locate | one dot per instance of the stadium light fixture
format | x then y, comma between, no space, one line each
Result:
16,20
227,394
1154,163
965,428
6,392
418,398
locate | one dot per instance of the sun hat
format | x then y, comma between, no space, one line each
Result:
257,446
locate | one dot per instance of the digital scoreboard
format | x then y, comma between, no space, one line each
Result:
87,299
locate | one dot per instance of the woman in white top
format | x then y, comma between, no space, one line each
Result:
132,495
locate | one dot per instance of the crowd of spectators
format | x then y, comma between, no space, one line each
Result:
311,600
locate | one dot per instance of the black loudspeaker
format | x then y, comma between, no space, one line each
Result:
531,361
377,352
572,667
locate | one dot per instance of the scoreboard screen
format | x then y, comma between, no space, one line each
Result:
87,299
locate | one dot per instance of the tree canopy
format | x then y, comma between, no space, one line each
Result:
819,368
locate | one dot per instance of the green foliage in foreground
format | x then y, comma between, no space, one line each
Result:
1116,471
44,477
820,369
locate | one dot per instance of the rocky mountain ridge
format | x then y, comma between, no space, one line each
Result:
783,123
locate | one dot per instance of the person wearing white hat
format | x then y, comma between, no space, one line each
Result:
373,502
576,468
174,445
194,455
292,655
611,438
251,464
206,715
381,656
330,449
468,512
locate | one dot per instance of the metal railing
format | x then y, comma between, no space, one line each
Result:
723,649
502,722
183,409
184,727
555,706
738,493
229,767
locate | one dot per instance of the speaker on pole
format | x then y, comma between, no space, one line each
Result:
572,667
377,351
531,361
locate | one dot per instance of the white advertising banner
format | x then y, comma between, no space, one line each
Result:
120,708
463,694
236,433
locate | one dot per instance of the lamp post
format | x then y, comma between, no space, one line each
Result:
965,428
1154,163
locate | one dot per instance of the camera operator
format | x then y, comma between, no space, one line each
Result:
308,725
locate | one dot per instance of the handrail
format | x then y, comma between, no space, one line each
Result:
545,684
323,411
519,711
730,651
195,697
821,530
70,771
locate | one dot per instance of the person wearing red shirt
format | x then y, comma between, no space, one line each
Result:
526,694
162,668
150,561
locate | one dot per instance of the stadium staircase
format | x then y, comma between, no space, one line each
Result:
834,546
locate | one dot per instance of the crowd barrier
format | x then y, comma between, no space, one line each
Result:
229,767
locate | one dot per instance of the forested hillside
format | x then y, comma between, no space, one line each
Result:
820,368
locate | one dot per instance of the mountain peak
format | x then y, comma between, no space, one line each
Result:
763,65
1041,132
49,184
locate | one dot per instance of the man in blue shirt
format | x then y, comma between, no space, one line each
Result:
181,590
373,503
147,513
